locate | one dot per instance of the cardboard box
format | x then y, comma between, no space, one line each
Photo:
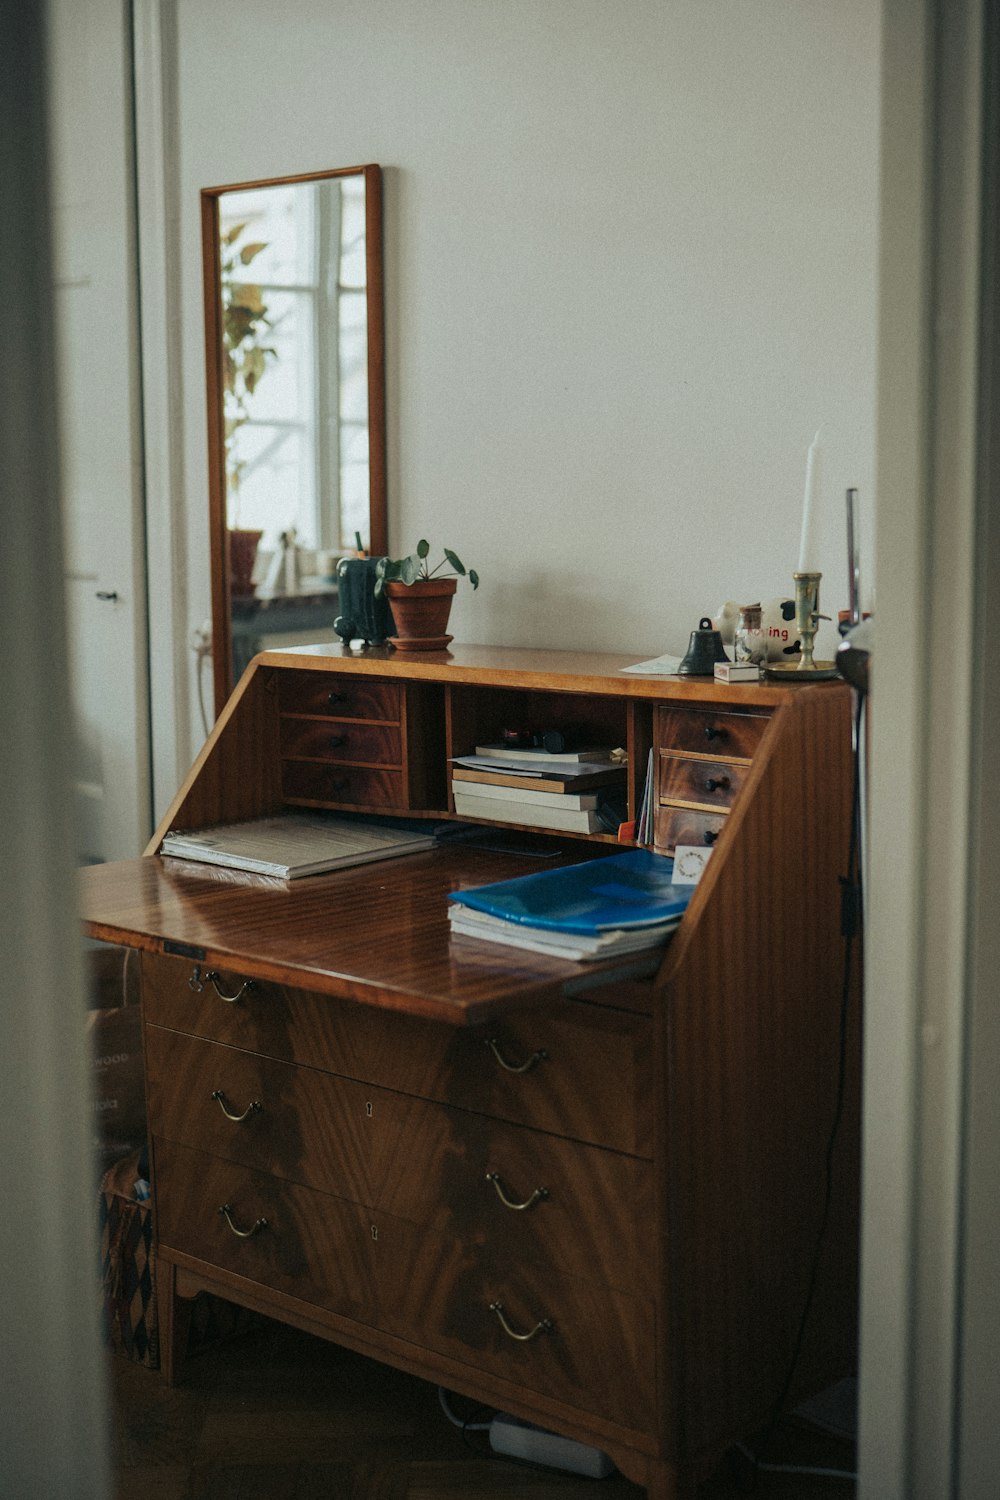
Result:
114,1034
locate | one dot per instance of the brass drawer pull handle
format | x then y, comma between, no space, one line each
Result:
537,1196
536,1057
197,983
251,1108
544,1325
717,784
243,1234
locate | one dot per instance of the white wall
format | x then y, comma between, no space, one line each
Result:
630,257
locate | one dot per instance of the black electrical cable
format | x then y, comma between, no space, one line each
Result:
851,927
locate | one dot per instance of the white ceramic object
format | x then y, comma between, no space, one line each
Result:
777,624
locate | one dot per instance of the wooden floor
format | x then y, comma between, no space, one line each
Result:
273,1414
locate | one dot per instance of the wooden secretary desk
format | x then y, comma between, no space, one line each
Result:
587,1195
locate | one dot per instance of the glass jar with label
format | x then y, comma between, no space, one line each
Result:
749,644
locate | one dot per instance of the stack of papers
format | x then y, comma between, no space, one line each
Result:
599,909
294,844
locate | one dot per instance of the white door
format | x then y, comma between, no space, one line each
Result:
94,309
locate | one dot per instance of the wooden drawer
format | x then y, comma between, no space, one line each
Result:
343,697
316,739
311,1246
679,825
592,1084
716,734
589,1210
355,786
432,1290
693,782
597,1355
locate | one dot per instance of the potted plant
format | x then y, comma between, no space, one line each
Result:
420,596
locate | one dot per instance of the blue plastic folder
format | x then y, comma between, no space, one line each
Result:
622,892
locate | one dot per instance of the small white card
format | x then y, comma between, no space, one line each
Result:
689,863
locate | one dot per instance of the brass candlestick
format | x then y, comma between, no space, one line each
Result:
807,616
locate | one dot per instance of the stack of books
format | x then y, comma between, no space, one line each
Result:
601,909
575,791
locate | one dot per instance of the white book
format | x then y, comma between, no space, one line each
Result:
577,946
489,791
556,758
292,844
565,819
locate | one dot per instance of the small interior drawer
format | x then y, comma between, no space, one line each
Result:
366,744
341,784
716,734
694,782
339,697
681,825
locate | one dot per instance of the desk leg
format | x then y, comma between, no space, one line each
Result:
173,1315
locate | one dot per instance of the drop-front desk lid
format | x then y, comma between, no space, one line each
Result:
377,934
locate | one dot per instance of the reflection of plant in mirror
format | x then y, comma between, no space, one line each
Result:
244,320
414,569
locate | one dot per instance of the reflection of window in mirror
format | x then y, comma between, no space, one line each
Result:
296,392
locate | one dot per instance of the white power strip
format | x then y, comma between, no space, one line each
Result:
517,1439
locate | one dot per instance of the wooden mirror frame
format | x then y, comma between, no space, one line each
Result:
222,641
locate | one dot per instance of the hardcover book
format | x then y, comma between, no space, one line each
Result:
290,845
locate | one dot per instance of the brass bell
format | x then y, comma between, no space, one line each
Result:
704,650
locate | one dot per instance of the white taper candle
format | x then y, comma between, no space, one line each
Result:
807,546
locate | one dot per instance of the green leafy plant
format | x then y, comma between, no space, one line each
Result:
244,350
415,568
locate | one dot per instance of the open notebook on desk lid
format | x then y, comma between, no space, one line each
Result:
619,894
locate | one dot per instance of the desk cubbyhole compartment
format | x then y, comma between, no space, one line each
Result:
476,717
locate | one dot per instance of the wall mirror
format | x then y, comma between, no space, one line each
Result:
295,357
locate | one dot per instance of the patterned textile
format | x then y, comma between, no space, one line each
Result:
128,1276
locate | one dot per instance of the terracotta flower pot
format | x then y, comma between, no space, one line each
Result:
420,611
242,556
